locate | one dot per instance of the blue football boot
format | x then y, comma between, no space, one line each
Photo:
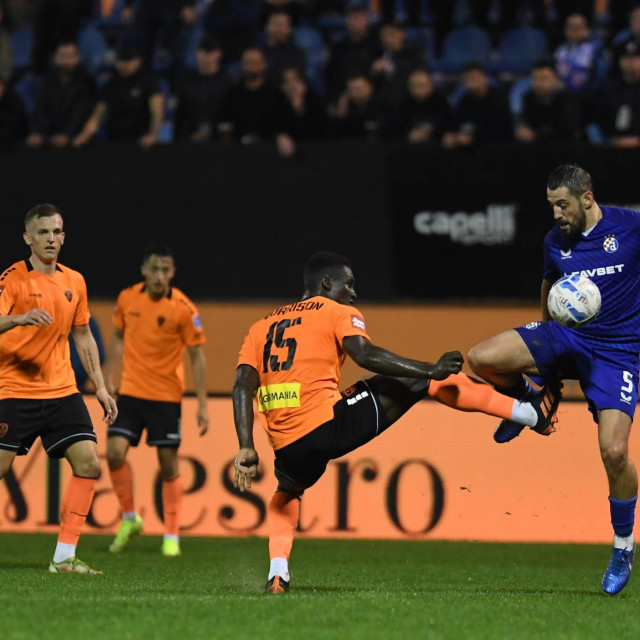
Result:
619,570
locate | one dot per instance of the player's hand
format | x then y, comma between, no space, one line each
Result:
202,418
449,363
36,317
108,404
246,468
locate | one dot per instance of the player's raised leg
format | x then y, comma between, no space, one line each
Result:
76,502
172,491
502,359
613,435
122,481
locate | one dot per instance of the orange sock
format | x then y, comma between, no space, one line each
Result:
466,394
75,507
282,519
122,482
171,502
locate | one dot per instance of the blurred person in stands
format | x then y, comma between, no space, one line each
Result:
202,93
249,113
154,324
618,106
361,114
578,58
353,55
55,21
550,113
13,117
160,20
425,115
482,114
279,48
295,9
301,112
131,102
390,71
66,98
234,22
631,42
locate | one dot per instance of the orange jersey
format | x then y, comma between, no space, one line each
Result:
35,362
155,334
297,352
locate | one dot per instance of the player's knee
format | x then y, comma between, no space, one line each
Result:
615,456
115,458
477,358
87,467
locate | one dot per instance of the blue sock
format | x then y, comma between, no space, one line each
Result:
520,391
622,515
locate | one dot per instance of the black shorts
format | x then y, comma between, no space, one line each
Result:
357,419
160,419
60,422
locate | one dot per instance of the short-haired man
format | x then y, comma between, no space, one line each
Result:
290,362
41,301
602,355
154,322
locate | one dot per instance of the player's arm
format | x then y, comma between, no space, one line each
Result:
244,390
90,358
199,367
544,295
113,363
36,318
368,356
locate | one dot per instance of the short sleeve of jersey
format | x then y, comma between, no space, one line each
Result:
549,270
348,321
82,314
118,312
7,295
191,326
248,352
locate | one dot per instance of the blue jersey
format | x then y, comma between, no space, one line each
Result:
610,256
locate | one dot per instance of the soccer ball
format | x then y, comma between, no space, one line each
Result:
574,300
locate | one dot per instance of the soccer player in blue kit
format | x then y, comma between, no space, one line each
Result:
602,243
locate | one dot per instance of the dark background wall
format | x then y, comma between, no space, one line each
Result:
242,221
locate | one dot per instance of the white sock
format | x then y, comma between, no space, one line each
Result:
64,551
130,515
627,543
524,413
169,536
279,567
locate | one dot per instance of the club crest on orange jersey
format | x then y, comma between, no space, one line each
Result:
68,295
4,427
160,320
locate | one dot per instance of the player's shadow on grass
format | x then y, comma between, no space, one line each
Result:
551,592
23,565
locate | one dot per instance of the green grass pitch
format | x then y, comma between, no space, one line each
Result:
340,589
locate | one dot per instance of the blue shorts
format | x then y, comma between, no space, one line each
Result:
608,377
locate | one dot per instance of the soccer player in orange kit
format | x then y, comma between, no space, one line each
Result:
290,363
41,301
154,322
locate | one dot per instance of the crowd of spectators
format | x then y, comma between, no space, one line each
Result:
294,70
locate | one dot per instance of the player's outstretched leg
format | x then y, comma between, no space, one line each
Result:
463,393
282,518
